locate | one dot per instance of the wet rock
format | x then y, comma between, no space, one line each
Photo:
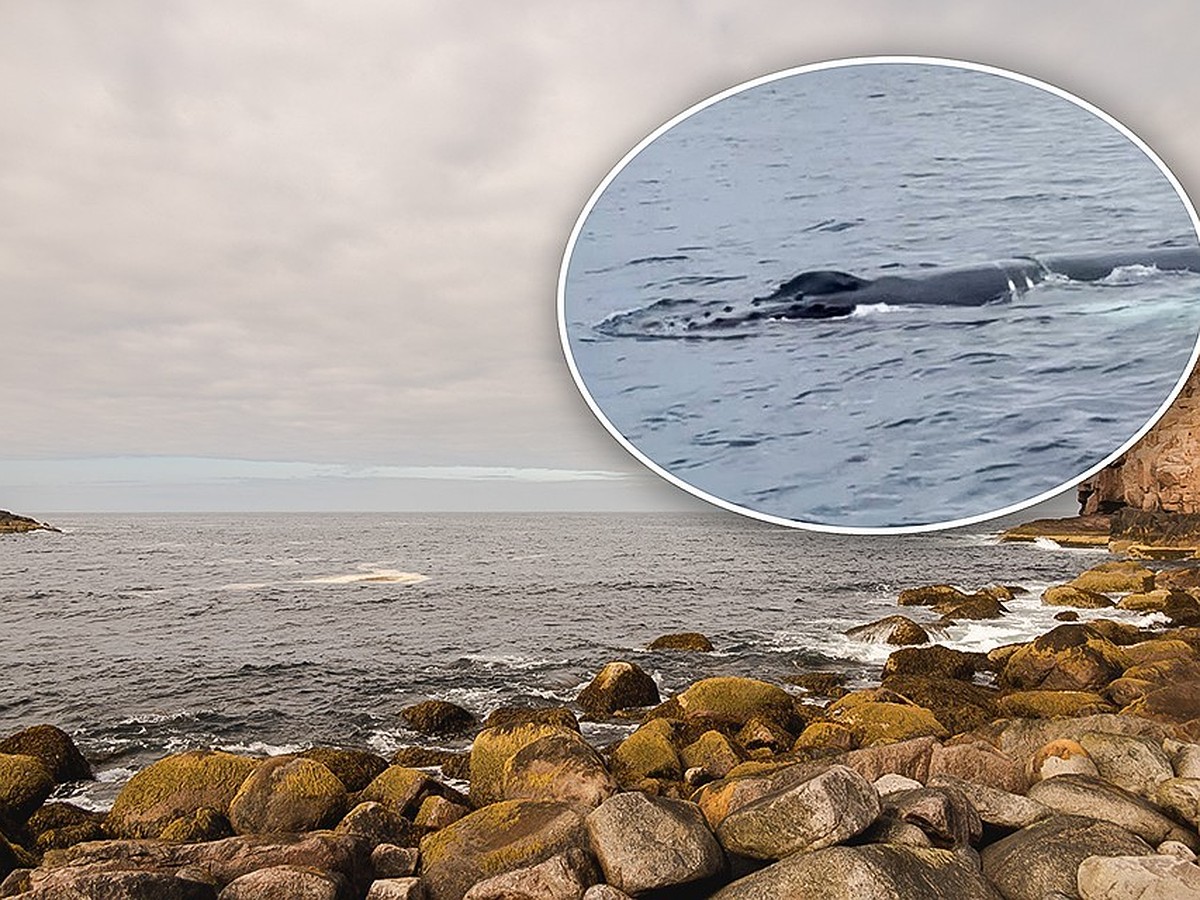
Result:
1066,658
818,812
1085,795
1061,757
493,747
54,748
1052,704
287,883
647,753
943,813
735,701
355,769
876,871
822,684
898,630
438,717
958,705
1067,615
646,843
1122,634
1143,877
377,824
930,594
1134,763
979,762
174,787
1043,858
287,794
713,752
931,662
688,640
765,734
401,790
396,889
1115,578
25,783
500,838
975,607
1069,595
506,716
562,877
558,767
619,685
1073,531
887,723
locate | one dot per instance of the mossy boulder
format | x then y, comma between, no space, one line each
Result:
619,685
888,723
492,748
687,640
1145,601
1115,578
355,769
54,748
1071,595
957,704
287,795
1177,703
931,662
735,701
648,753
438,717
712,752
532,715
202,825
401,790
57,825
1066,658
25,783
561,767
174,787
930,594
831,736
498,838
762,733
1052,704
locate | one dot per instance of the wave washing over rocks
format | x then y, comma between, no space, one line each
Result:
1063,766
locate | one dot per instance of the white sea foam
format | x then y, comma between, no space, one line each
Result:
388,576
262,748
876,309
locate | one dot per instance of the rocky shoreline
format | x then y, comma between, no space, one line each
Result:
11,523
1067,766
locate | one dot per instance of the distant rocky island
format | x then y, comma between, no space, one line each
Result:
11,523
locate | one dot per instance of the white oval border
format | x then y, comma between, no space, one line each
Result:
816,67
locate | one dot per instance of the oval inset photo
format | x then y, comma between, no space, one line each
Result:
887,294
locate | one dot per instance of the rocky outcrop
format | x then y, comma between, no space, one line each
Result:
11,523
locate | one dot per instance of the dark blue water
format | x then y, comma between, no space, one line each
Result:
147,634
897,415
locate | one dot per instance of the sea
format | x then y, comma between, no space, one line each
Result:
143,635
897,416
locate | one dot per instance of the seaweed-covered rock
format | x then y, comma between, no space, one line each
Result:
734,701
899,630
826,735
438,717
931,662
930,594
177,786
57,825
1115,577
619,685
54,748
959,705
498,838
288,795
974,606
687,640
646,843
558,767
493,747
354,768
1070,595
822,684
25,783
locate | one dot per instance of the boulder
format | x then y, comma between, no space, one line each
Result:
401,790
499,838
818,812
910,758
25,783
438,717
377,824
1036,861
1060,757
975,607
959,705
821,684
505,716
735,701
720,798
871,872
287,794
1086,795
931,662
1144,877
355,769
1070,595
604,892
1180,797
1052,704
1021,738
647,753
826,735
1137,764
89,884
944,814
1000,809
646,843
562,877
1175,703
493,747
688,640
391,861
713,752
887,723
202,825
619,685
176,787
438,812
57,825
54,748
1115,578
1066,658
930,594
765,734
396,889
978,762
287,883
899,630
558,767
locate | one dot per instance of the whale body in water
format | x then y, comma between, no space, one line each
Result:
826,294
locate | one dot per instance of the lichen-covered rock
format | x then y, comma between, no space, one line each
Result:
645,843
931,662
438,812
57,825
401,790
687,640
177,786
1052,704
888,723
1115,577
1070,595
647,753
1034,862
287,883
818,812
202,825
558,767
619,685
1180,797
1144,877
498,838
289,795
492,748
871,872
25,783
1085,795
354,768
734,701
899,630
720,798
54,748
438,717
826,735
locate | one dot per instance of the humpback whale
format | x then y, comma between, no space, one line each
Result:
826,294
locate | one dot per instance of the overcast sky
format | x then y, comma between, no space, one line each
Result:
304,255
